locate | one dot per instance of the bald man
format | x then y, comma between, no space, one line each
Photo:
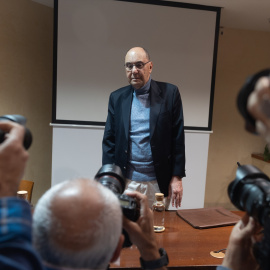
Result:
144,132
77,224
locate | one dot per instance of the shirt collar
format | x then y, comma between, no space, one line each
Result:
145,89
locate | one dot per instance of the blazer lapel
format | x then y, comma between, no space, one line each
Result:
126,107
155,106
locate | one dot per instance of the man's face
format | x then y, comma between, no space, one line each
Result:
138,77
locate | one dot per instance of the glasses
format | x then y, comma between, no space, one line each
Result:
138,65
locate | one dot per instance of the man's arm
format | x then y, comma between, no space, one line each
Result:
178,171
141,232
108,143
13,158
16,251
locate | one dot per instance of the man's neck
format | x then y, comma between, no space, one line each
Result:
144,88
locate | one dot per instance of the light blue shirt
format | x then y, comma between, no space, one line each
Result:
140,165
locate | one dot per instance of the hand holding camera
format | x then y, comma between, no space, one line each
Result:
239,253
13,157
27,140
141,232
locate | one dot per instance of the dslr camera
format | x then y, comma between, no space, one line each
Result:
20,120
250,192
110,176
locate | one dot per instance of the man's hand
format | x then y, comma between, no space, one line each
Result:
239,251
259,107
13,158
141,232
176,191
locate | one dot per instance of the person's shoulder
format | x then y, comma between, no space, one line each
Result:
121,90
165,88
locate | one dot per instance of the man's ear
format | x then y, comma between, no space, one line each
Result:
151,67
118,249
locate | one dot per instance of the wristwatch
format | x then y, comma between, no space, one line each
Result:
162,261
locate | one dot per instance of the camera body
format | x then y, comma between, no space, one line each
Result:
20,120
250,192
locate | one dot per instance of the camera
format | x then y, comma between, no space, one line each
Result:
250,192
110,176
20,120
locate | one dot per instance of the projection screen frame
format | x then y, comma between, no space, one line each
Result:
147,2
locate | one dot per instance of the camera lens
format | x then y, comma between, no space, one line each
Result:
110,175
250,191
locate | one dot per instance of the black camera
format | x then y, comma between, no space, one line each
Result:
250,192
110,176
20,120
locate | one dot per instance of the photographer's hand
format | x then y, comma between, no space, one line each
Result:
141,232
259,107
13,158
239,251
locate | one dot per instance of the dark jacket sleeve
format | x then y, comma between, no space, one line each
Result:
16,250
178,153
108,143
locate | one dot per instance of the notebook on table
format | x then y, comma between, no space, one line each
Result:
203,218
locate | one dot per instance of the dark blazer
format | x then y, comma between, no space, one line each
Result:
166,131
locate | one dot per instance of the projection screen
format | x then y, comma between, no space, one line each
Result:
93,36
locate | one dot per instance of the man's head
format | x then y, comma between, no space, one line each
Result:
78,224
138,67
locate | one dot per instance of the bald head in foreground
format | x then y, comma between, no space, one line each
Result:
78,224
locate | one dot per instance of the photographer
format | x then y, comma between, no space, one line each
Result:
77,223
16,251
248,249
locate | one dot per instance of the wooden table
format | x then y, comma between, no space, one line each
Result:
187,248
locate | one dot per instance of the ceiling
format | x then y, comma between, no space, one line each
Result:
240,14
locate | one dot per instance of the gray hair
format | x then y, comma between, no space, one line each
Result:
103,233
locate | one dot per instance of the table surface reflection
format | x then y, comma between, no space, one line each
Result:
187,247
